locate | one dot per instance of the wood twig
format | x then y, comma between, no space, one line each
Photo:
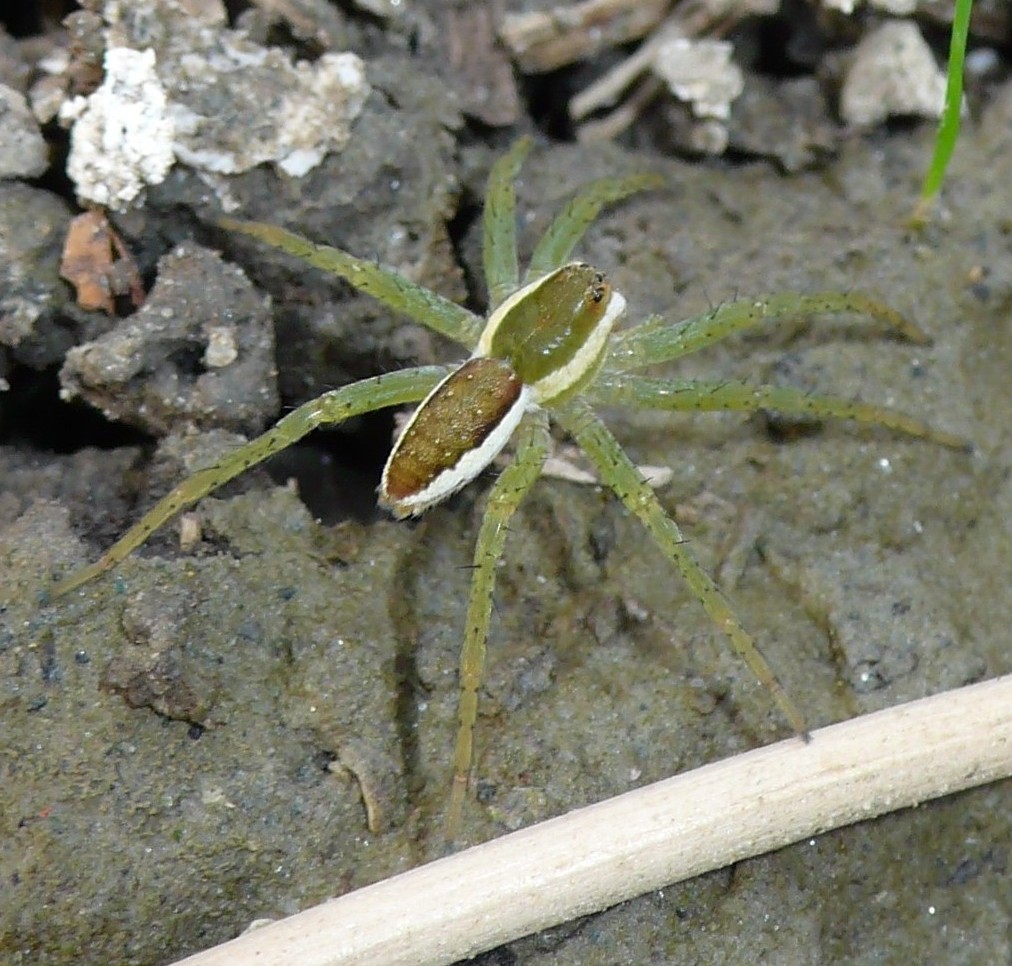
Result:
598,856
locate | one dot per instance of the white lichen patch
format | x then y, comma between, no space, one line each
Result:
897,8
122,135
288,115
893,72
700,72
178,88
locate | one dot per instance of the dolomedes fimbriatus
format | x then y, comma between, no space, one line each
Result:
546,352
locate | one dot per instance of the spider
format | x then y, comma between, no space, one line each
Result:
547,352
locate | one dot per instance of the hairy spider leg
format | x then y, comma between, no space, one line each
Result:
383,284
617,471
570,225
499,229
563,234
506,495
684,395
378,392
658,340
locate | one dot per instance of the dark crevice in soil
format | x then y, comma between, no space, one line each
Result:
34,415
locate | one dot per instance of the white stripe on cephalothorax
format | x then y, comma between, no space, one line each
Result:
586,356
484,346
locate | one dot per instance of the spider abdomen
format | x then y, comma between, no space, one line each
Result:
458,429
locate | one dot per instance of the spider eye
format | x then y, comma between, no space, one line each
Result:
599,288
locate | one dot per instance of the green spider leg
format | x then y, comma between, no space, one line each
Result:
499,241
680,395
383,284
657,340
563,235
569,226
506,495
617,471
392,389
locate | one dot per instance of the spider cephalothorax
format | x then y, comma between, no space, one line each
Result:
548,352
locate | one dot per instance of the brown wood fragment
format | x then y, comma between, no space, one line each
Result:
96,262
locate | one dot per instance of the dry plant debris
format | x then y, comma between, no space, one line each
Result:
687,52
99,266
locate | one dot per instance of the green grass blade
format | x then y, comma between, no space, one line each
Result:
948,126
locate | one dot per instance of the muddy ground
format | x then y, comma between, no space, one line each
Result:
264,718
